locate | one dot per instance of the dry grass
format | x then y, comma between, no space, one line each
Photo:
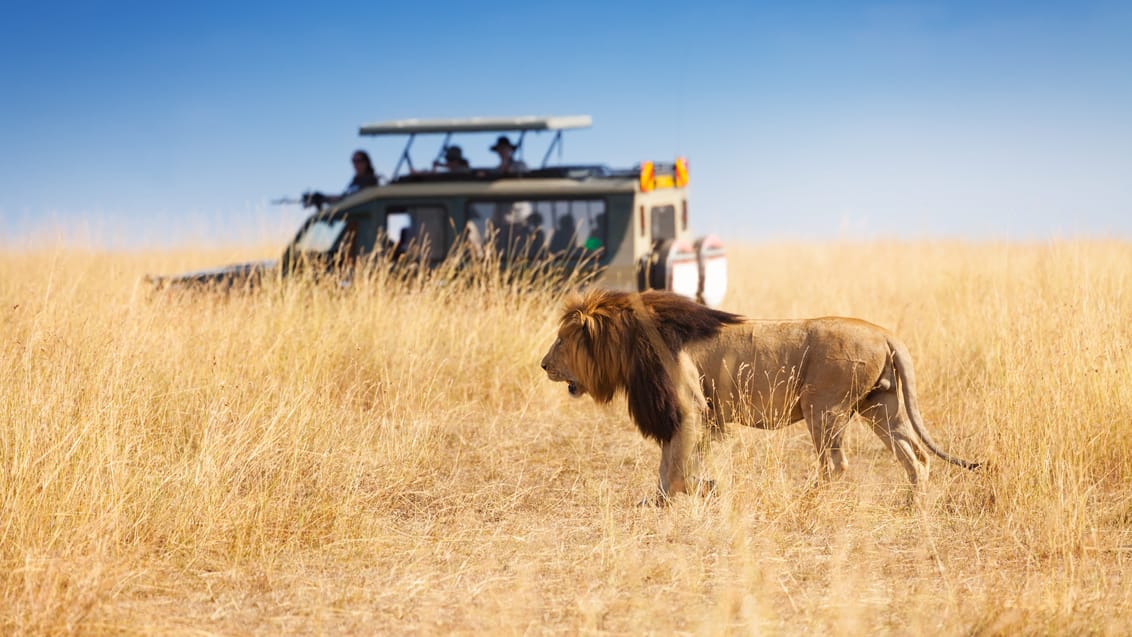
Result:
315,461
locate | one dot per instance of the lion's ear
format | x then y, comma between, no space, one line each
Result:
588,324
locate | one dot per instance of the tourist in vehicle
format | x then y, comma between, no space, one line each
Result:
534,236
454,161
563,237
364,177
473,237
506,151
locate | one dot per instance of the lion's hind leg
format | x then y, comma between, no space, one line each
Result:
882,411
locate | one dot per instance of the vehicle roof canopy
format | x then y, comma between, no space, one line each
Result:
448,127
476,125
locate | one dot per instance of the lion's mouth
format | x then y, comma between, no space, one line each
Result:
574,388
572,385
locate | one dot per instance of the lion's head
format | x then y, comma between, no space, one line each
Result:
615,341
580,355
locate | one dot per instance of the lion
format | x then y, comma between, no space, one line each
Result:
687,369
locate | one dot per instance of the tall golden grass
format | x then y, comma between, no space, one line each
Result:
390,459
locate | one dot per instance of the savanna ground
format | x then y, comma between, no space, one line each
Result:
309,460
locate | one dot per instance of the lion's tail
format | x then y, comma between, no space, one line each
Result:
902,362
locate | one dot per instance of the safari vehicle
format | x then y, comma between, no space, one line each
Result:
630,224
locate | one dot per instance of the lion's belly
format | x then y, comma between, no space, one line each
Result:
748,383
767,402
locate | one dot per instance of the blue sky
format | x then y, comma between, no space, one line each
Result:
981,120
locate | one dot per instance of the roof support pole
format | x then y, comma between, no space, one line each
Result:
441,154
557,141
405,159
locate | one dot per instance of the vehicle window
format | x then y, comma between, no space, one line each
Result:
411,229
320,235
663,222
531,226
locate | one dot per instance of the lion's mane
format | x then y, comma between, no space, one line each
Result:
618,341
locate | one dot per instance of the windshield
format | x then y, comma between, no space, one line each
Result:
320,235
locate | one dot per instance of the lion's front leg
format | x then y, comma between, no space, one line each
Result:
677,455
677,461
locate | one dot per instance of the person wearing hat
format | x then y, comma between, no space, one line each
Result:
454,161
506,151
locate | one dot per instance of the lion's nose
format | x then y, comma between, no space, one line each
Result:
543,365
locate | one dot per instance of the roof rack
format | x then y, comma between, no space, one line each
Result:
477,125
521,125
578,172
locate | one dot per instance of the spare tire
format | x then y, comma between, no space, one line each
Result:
711,260
672,265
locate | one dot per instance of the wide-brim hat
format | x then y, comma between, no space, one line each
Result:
501,142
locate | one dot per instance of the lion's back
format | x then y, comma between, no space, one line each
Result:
758,349
850,334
